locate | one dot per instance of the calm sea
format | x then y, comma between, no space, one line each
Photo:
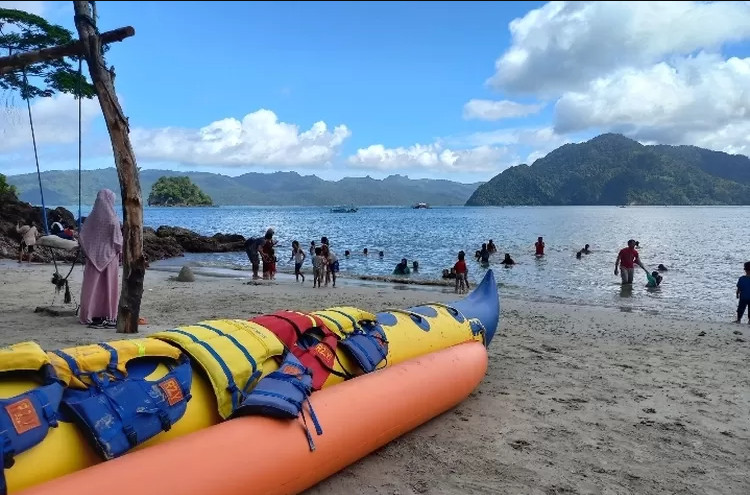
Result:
703,247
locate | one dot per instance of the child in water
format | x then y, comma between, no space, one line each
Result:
654,280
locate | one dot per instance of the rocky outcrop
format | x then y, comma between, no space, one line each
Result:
162,243
160,248
192,242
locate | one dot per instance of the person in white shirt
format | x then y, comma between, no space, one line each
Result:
29,234
299,257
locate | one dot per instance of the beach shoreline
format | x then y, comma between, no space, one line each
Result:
577,399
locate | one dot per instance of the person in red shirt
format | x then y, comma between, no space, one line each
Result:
461,271
626,260
539,245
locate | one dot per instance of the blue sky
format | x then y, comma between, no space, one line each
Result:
457,90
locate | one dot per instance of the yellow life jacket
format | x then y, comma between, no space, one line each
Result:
342,320
24,356
109,357
234,354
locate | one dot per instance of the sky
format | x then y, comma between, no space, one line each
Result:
454,90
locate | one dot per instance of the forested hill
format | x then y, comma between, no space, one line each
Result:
279,188
613,170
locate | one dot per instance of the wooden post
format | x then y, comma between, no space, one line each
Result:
133,262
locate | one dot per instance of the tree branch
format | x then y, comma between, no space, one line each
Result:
23,59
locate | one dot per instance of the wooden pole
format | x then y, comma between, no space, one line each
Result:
133,261
74,48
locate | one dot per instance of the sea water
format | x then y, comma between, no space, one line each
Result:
703,247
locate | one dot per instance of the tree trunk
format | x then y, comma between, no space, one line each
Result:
133,262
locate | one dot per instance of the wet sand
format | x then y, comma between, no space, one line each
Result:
576,399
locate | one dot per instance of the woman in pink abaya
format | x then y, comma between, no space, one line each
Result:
101,241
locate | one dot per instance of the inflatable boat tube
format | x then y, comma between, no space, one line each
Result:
411,333
53,241
358,417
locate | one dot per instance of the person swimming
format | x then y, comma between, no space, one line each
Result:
507,261
661,268
491,247
586,249
402,268
654,280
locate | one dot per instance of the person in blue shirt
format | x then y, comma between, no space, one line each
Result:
743,293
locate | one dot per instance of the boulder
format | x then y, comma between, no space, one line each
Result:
159,248
186,275
192,242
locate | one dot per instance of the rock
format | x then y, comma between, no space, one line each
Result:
186,275
165,242
159,248
192,242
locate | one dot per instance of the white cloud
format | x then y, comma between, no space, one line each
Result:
732,138
55,121
434,157
37,8
496,110
258,139
665,103
563,45
528,136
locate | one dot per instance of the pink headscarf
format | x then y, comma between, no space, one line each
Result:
101,237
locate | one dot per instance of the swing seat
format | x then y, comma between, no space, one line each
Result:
53,241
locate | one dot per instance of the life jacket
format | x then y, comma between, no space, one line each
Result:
282,394
25,419
120,407
98,358
307,338
362,337
232,353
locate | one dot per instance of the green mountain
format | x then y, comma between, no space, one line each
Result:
613,170
279,188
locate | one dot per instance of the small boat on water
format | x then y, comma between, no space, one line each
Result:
421,206
344,209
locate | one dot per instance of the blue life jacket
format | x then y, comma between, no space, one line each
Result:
282,394
25,419
368,346
118,413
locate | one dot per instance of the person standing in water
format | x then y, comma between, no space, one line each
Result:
539,247
626,260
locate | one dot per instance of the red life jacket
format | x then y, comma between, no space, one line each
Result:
307,338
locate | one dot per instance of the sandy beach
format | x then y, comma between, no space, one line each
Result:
577,400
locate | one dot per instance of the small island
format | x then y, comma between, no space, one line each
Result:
177,191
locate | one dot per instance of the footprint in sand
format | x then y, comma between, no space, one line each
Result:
519,444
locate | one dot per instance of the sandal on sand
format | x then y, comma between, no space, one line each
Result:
142,321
